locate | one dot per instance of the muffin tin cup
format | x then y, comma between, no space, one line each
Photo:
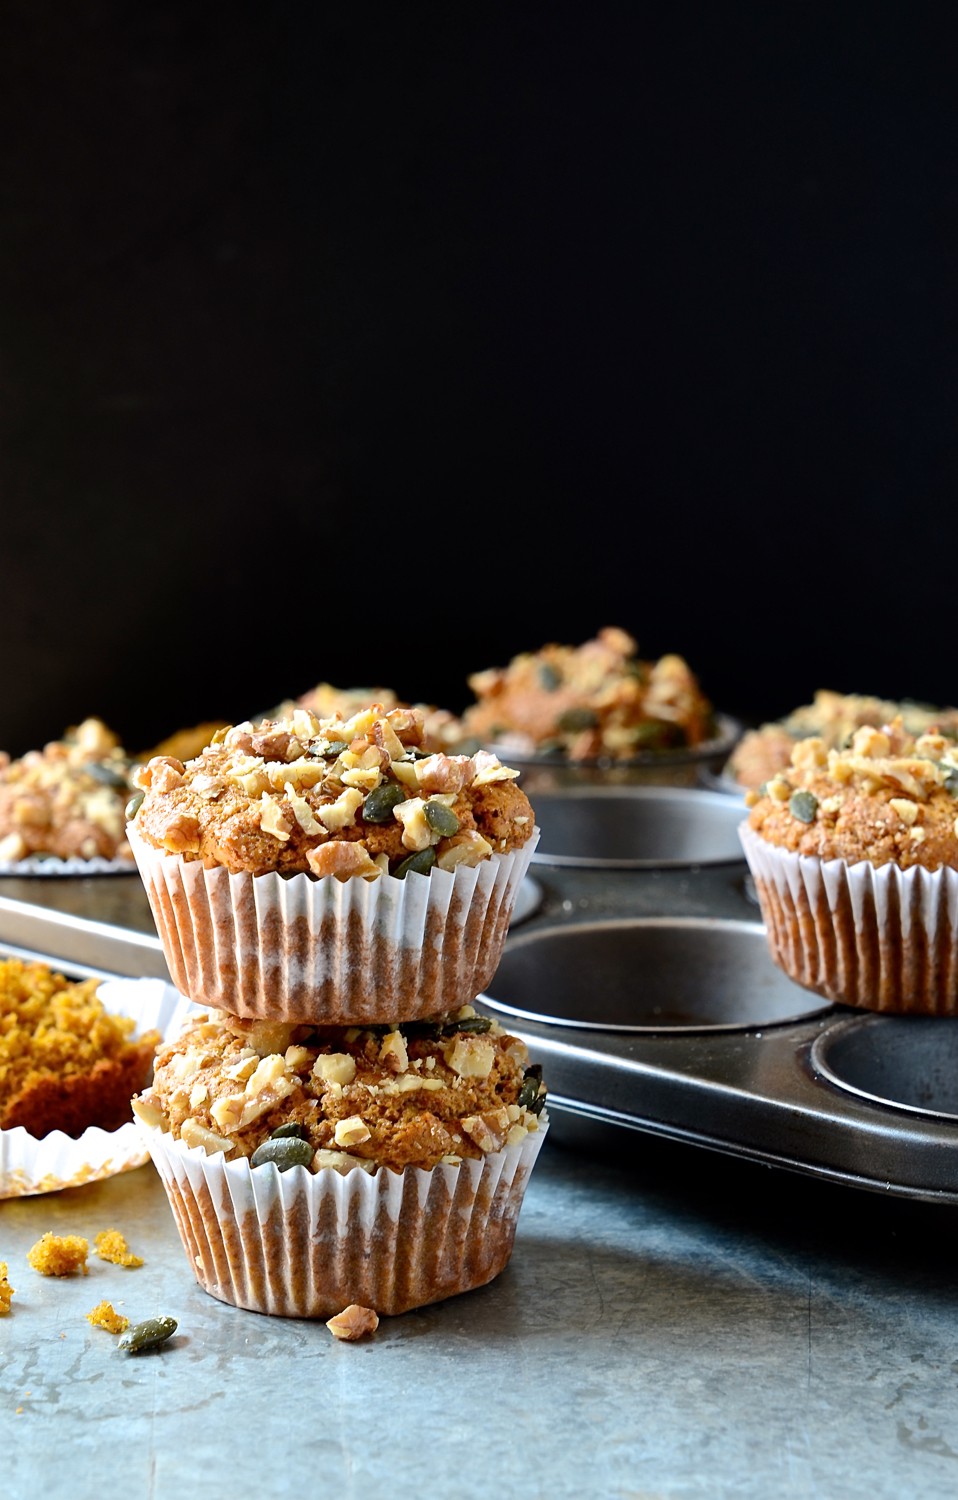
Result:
330,952
678,767
880,938
298,1244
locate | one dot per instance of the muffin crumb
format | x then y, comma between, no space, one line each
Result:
6,1290
59,1255
105,1316
354,1322
110,1245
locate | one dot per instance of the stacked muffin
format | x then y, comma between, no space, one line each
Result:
340,1126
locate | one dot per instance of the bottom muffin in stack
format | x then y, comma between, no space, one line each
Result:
309,1167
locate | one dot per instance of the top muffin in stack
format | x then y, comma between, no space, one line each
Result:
427,853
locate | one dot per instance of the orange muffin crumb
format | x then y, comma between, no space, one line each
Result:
6,1290
110,1245
105,1316
59,1255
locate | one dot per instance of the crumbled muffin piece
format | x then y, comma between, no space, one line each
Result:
350,798
354,1322
66,1062
407,1094
6,1290
110,1245
69,799
595,701
888,798
105,1316
59,1255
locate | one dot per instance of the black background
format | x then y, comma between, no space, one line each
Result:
377,343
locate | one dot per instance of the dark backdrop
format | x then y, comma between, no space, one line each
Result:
377,343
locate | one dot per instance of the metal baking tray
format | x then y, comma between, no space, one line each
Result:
641,981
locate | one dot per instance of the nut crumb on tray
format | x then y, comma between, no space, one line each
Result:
59,1255
354,1322
6,1290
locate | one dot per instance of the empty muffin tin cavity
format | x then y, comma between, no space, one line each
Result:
636,828
904,1062
648,974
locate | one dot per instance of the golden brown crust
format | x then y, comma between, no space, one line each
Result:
278,796
886,799
589,702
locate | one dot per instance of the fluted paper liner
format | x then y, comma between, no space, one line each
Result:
298,1244
32,1164
878,937
331,952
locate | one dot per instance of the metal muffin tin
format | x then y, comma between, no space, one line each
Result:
641,981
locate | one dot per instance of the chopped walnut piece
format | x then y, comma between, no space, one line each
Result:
343,860
354,1322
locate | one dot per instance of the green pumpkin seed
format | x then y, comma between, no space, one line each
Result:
419,863
149,1334
803,806
531,1094
134,805
106,775
951,781
292,1131
379,804
441,819
549,677
577,718
285,1152
475,1025
336,747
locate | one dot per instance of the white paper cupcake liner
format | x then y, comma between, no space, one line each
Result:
877,937
31,1164
332,952
48,865
305,1245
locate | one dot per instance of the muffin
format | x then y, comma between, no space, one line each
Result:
854,854
833,717
593,702
310,1167
442,730
66,1063
327,870
68,800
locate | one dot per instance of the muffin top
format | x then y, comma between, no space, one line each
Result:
889,798
68,800
590,702
411,1094
344,797
833,717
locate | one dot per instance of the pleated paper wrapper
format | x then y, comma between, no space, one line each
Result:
877,937
30,1164
305,1245
331,952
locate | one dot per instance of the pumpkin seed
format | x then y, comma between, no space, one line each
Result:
441,819
951,781
105,775
293,1130
803,806
149,1334
336,747
379,804
549,677
530,1097
285,1152
476,1025
577,718
419,863
134,805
